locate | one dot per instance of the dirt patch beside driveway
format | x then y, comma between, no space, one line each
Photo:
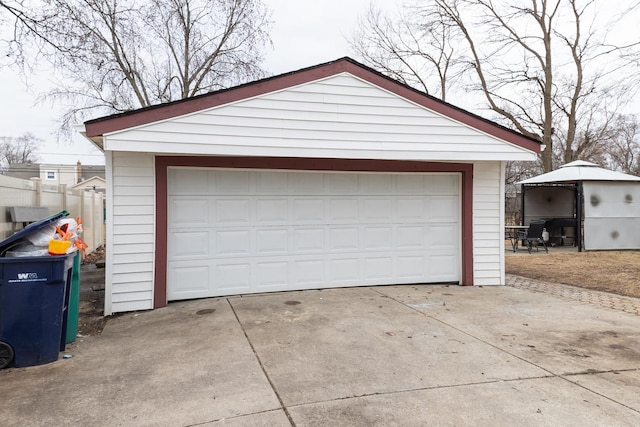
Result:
91,320
617,272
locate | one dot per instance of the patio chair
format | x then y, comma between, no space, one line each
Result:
534,235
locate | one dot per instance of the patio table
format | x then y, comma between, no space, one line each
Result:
511,232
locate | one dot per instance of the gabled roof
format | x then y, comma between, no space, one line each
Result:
95,129
96,181
23,170
579,170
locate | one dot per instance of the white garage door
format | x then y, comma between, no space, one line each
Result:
248,231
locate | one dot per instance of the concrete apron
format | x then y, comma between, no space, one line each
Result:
393,355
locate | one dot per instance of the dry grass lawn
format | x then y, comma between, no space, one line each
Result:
617,272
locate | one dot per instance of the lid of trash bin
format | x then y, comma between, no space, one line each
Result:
16,238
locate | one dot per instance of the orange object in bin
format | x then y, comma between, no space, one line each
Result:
59,247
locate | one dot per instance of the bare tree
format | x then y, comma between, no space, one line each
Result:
518,171
21,149
543,67
417,47
592,132
561,66
22,26
623,153
113,56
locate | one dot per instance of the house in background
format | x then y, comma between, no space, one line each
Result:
330,176
58,174
23,170
94,183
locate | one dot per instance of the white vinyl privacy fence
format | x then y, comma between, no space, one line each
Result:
88,205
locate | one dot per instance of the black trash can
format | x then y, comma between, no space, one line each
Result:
33,302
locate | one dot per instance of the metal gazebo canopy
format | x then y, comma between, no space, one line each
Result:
579,170
565,212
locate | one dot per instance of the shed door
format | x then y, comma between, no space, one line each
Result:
248,231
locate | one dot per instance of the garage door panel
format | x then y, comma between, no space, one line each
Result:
232,277
410,237
410,184
378,269
189,244
444,267
272,275
272,241
309,271
344,270
377,210
344,239
443,184
274,183
184,181
412,267
442,208
308,183
308,240
233,242
376,184
442,236
188,281
232,211
410,209
231,182
276,230
189,211
272,211
343,210
308,210
377,237
341,183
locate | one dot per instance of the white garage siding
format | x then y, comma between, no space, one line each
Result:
131,222
488,217
338,117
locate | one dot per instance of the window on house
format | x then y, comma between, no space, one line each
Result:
50,174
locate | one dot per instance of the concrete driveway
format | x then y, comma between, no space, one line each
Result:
394,355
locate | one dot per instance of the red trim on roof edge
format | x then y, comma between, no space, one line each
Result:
101,126
164,162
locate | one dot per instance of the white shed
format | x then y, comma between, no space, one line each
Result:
592,207
330,176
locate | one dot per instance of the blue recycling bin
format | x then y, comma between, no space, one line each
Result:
34,298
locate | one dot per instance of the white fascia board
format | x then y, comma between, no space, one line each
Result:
312,152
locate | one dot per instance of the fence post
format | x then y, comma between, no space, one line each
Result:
63,187
103,222
81,210
93,221
38,183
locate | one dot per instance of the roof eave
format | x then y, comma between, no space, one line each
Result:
96,140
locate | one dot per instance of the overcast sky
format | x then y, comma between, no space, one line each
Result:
305,33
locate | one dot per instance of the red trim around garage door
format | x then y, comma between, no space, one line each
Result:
349,165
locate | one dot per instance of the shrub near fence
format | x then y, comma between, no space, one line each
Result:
87,205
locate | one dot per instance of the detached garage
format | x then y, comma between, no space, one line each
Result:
330,176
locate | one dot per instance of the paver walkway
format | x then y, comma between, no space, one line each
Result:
601,299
